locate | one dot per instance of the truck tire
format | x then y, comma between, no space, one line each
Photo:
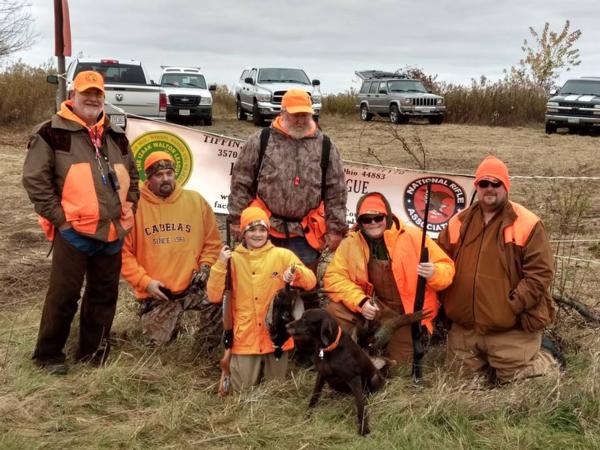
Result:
239,112
208,121
365,115
257,119
550,128
436,120
395,114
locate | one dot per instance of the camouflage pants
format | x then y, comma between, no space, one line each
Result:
160,319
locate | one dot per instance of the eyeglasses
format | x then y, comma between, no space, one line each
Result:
487,183
365,220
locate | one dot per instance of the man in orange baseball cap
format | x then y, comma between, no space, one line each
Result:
302,183
86,195
499,302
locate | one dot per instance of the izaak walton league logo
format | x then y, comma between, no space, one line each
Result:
166,142
447,199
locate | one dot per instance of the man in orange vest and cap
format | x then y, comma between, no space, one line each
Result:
294,172
499,301
174,242
81,177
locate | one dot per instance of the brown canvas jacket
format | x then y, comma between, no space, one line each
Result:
514,291
63,182
284,160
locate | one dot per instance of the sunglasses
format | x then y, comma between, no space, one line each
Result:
365,220
487,183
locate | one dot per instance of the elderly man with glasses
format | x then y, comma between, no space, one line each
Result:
373,275
499,302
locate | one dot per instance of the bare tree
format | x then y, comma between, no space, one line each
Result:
15,27
550,53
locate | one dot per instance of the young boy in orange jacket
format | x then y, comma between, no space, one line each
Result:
258,271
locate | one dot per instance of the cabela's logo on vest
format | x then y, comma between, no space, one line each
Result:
166,142
447,198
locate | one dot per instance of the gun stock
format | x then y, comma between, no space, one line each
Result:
224,382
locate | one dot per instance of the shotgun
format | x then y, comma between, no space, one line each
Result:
416,327
224,382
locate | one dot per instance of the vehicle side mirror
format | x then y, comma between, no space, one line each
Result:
316,83
212,87
152,82
52,79
248,80
553,92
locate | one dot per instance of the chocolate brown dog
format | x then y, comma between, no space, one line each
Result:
339,361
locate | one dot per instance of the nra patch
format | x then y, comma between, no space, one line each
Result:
166,142
447,199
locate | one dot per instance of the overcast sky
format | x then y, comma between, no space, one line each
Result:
329,39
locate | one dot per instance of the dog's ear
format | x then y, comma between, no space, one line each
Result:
328,327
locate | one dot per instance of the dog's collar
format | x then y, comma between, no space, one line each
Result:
333,345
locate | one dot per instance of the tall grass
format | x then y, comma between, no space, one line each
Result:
25,96
498,103
28,99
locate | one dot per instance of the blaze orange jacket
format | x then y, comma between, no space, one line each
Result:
63,181
347,276
256,276
171,237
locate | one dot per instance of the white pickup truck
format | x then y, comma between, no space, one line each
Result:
128,89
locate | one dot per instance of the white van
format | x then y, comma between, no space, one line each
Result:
188,98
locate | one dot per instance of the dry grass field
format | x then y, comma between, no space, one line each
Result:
165,398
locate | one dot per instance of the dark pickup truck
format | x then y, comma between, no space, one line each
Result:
575,106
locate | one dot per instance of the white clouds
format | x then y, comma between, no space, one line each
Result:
458,40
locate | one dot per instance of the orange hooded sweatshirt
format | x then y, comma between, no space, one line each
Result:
172,236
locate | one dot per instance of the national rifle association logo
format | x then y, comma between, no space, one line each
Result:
166,142
447,199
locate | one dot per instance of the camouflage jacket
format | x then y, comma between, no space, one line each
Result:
289,180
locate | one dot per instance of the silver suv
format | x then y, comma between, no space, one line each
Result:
259,91
400,98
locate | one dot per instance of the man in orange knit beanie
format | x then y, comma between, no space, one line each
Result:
167,256
499,302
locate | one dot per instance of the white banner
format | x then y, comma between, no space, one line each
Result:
205,161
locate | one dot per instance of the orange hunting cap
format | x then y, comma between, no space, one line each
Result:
151,163
297,101
88,79
251,216
372,204
494,168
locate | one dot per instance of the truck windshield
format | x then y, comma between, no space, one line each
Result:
183,80
282,76
406,86
115,73
581,87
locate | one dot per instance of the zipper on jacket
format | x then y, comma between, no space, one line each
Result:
476,270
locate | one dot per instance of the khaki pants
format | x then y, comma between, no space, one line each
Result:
513,354
246,370
399,348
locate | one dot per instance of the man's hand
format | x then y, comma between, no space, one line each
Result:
153,290
426,270
225,254
369,310
332,241
234,229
